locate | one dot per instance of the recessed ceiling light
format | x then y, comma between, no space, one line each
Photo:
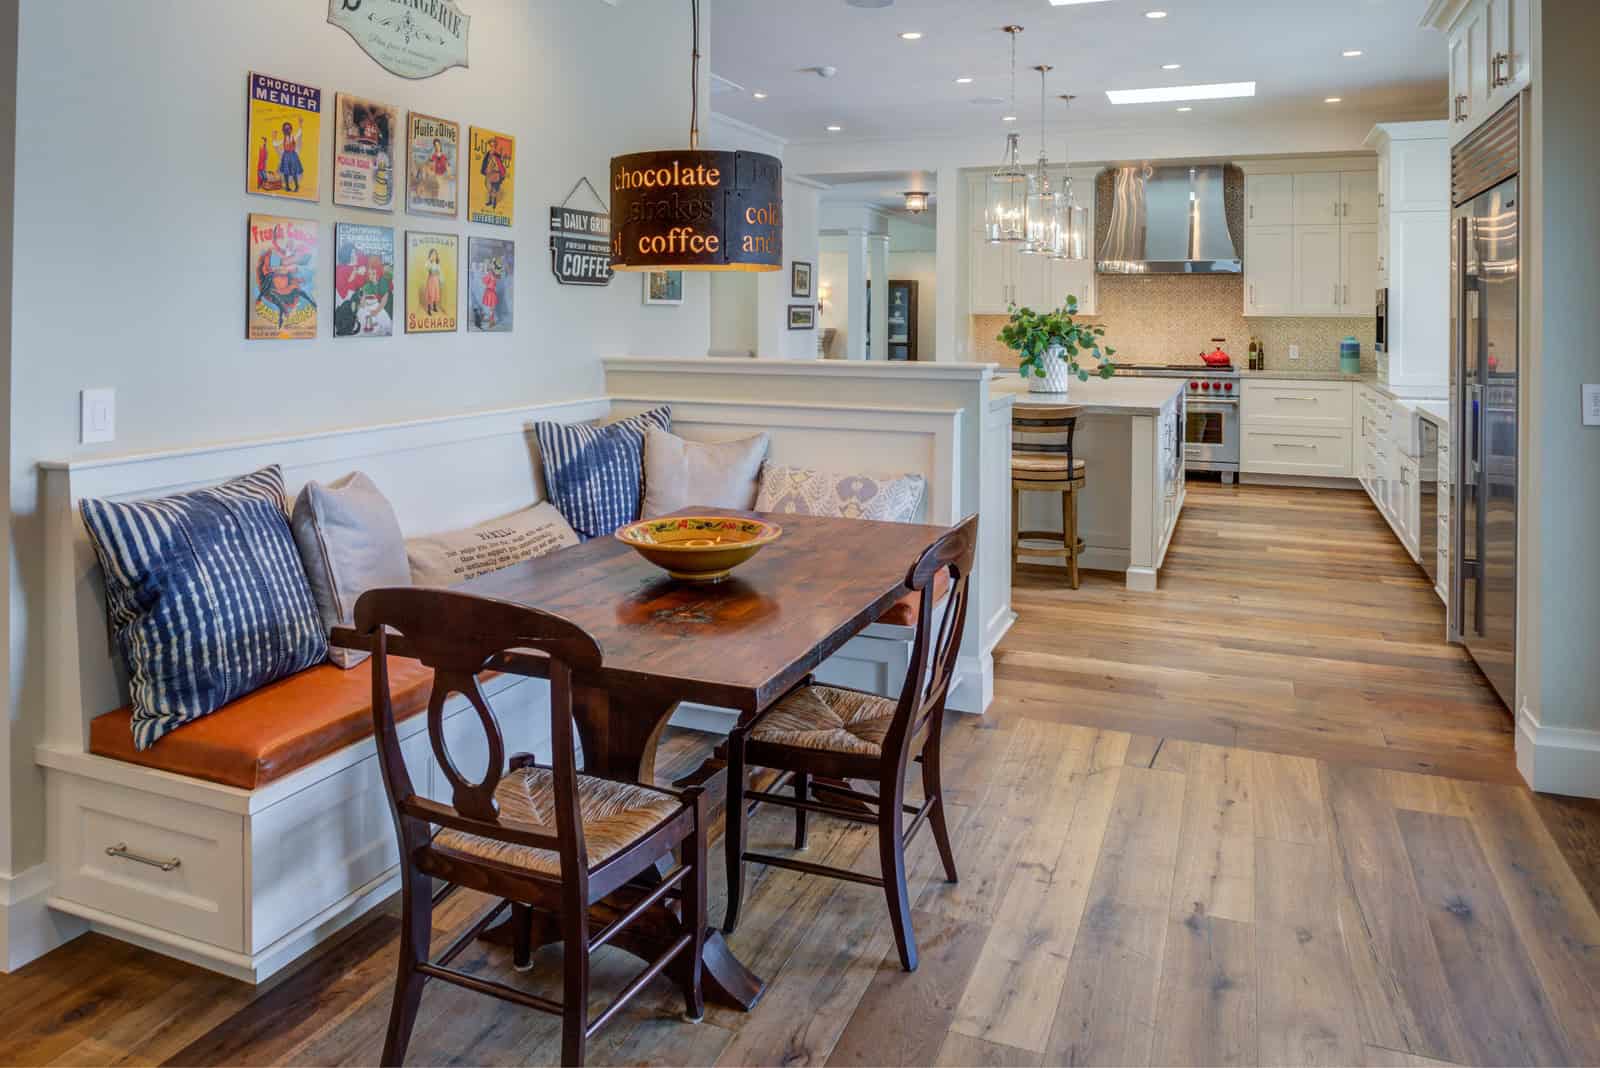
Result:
1216,91
1155,14
1065,3
1351,53
1186,107
759,96
1008,118
835,129
963,81
1171,66
911,35
1332,99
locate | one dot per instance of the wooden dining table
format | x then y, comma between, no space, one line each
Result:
740,644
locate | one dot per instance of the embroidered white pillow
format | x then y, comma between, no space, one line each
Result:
841,495
453,558
717,474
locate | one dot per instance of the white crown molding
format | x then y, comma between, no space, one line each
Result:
748,129
1442,14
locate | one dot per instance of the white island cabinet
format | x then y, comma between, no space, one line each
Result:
1130,433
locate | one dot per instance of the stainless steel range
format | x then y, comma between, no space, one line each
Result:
1211,423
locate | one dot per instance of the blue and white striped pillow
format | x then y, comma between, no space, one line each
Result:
594,474
206,595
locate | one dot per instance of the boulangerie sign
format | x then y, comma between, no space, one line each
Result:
411,38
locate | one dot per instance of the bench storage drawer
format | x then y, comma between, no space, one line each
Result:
1317,452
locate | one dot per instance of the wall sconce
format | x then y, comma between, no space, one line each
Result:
916,203
824,291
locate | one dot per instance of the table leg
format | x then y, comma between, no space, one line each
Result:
620,733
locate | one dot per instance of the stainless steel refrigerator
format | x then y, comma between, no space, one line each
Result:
1485,297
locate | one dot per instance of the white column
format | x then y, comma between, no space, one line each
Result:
949,324
856,295
878,252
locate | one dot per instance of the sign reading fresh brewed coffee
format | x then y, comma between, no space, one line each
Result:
580,255
696,210
411,38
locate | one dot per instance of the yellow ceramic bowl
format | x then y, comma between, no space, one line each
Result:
698,548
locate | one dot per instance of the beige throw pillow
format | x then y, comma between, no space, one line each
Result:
718,474
453,558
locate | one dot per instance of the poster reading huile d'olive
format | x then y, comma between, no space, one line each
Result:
432,172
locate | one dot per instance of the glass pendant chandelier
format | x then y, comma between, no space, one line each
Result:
1005,217
1072,219
1040,211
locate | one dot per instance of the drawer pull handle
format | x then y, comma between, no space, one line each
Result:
121,850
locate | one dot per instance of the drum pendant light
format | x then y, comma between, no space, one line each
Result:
695,209
1007,191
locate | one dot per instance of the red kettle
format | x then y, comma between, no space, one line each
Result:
1217,357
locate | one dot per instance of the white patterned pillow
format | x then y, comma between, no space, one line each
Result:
840,495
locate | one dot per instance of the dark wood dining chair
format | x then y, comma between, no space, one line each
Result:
534,836
1043,461
823,736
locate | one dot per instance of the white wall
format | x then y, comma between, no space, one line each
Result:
733,314
130,174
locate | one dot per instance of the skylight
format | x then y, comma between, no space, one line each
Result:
1215,91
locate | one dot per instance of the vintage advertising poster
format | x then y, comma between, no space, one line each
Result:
491,266
431,167
363,280
365,134
282,276
285,132
491,176
430,283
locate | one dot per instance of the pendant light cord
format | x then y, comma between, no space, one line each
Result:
694,78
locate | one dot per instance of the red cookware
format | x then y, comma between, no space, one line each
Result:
1217,358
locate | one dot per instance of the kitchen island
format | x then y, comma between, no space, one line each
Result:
1130,433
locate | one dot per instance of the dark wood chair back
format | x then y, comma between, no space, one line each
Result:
1044,430
938,637
460,637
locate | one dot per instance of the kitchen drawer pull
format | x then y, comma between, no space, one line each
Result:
121,850
1291,445
1296,397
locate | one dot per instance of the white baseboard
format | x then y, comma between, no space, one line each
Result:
29,928
1310,481
1557,760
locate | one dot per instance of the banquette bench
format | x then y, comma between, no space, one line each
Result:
244,838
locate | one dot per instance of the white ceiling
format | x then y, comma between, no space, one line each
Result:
883,190
889,88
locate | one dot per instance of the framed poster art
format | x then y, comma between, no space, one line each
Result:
800,280
365,134
802,317
432,171
491,269
491,176
411,38
663,287
284,137
431,281
363,280
281,278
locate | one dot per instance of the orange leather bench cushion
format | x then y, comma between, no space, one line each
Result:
276,730
903,612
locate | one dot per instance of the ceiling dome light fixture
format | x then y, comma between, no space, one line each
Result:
916,202
696,209
1007,187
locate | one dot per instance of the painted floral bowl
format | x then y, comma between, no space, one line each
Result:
698,548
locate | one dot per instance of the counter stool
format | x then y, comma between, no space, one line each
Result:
1042,462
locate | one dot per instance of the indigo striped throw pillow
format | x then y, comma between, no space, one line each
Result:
594,473
206,595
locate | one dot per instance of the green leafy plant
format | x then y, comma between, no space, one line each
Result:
1034,334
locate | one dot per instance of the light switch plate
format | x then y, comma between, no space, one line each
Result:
99,416
1591,404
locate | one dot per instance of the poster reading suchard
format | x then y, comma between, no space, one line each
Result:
431,280
282,277
285,131
491,266
364,137
431,165
491,176
363,280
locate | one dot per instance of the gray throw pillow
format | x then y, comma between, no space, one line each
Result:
350,542
718,474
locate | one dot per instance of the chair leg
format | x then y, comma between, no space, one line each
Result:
575,985
1016,522
694,916
802,781
416,931
1069,534
521,937
892,859
734,836
933,788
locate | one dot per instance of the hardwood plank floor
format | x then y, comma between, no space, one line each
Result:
1262,816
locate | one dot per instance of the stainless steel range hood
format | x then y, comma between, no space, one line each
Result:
1168,220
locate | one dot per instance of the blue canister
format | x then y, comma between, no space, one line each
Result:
1350,356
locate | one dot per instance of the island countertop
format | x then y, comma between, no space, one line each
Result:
1121,395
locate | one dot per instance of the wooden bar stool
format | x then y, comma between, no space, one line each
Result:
1042,462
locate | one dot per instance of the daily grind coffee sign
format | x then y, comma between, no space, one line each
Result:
411,38
580,254
719,211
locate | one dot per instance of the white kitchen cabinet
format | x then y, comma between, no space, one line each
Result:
1269,200
1317,274
1412,251
1413,167
1358,265
1506,40
1269,270
990,281
1033,288
1294,427
1358,193
1490,57
1318,197
1075,278
999,276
